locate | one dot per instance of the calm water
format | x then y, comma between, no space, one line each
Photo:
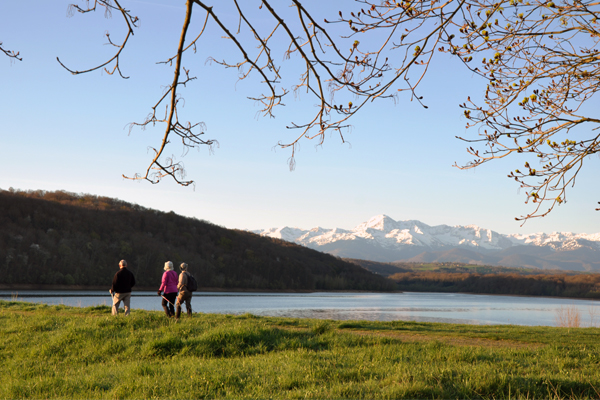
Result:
426,307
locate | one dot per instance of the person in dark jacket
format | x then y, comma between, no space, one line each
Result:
121,288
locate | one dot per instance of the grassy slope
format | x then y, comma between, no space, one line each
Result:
63,352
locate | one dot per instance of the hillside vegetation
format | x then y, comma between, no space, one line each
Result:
560,285
388,269
71,239
465,278
51,352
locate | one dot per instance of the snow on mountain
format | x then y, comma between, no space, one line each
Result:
384,232
557,240
285,233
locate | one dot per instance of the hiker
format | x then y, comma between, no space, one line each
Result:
169,287
184,293
121,288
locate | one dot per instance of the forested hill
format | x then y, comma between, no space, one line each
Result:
70,239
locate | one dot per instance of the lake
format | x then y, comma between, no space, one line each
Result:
408,306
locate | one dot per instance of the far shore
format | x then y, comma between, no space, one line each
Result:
16,287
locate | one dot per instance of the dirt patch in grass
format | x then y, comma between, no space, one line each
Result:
447,339
452,340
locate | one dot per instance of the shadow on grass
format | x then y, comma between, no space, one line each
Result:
238,342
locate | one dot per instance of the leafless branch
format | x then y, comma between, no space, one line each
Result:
13,55
130,22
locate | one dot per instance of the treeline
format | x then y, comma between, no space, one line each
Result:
390,268
66,238
543,284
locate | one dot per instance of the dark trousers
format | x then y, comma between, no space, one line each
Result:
171,297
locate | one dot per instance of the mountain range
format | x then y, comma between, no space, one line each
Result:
383,239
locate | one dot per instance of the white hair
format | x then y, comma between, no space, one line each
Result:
168,266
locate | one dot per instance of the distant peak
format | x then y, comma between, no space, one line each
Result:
380,222
380,217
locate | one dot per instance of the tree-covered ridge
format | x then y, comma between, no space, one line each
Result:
78,239
453,277
389,269
523,284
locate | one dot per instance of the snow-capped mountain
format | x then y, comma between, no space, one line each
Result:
386,240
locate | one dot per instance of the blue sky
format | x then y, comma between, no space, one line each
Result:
64,132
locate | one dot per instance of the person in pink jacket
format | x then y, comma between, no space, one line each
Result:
169,287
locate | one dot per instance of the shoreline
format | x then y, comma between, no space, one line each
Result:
74,288
22,286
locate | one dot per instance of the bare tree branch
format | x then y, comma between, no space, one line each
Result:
130,22
11,53
157,169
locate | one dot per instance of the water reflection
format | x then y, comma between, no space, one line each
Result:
421,307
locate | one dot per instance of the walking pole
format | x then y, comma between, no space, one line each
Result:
112,298
167,300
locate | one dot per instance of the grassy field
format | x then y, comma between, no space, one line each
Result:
65,352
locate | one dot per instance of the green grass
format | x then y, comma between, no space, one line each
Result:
65,352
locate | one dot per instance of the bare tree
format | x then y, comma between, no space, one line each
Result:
541,63
538,59
327,70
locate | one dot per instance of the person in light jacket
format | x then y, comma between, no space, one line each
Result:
184,294
168,289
